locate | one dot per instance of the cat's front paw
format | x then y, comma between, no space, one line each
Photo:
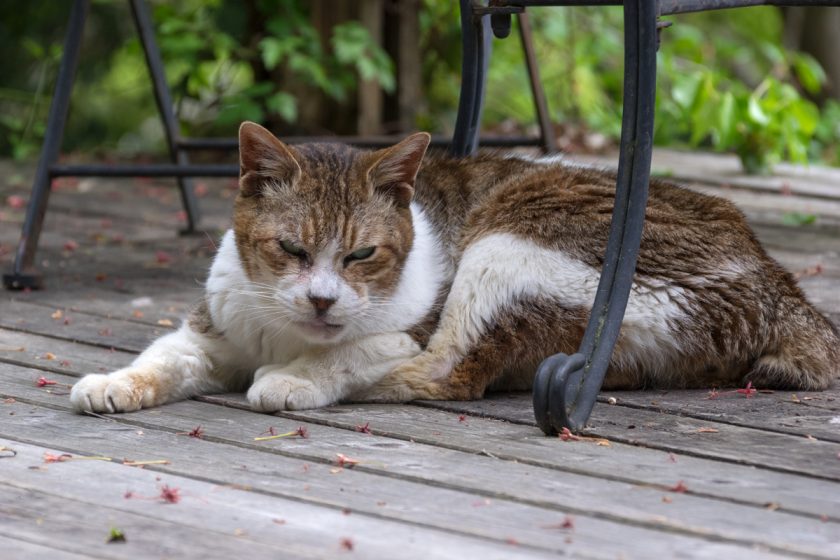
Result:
283,391
117,392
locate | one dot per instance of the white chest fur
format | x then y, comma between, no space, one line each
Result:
243,311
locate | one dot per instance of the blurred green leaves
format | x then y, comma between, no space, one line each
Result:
723,81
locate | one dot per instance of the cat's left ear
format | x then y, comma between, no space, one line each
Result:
395,169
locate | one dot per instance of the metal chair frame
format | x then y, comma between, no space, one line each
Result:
566,387
25,274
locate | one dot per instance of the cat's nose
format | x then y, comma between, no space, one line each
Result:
321,304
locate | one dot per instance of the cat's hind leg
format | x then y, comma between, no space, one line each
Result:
175,367
490,323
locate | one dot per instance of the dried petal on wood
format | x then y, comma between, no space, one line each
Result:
43,382
567,523
169,494
679,487
567,435
345,461
708,431
364,429
747,391
50,458
346,544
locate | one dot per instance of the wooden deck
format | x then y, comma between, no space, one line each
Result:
662,475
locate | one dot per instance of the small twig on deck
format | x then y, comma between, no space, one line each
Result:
7,452
300,432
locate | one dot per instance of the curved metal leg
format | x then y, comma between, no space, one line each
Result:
566,386
24,275
145,29
475,39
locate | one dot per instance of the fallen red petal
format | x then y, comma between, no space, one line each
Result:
345,461
169,494
70,245
43,382
162,257
15,201
567,435
679,487
346,543
364,429
50,458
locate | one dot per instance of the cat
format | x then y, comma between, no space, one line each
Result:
394,275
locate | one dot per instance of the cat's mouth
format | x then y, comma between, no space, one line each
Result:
320,327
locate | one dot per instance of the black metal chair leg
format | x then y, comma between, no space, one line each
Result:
475,39
549,142
24,274
145,28
566,387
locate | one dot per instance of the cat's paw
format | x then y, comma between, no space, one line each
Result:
117,392
282,391
418,378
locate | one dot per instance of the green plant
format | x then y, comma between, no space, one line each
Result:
230,72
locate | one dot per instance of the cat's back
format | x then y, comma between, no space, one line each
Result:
567,207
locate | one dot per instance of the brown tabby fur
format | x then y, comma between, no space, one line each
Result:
754,325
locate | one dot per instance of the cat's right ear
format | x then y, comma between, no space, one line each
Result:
263,159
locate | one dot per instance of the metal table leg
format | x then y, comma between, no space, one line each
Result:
566,386
475,39
23,274
143,21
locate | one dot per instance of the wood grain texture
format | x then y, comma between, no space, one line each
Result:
429,485
486,476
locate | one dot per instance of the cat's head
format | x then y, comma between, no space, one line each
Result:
323,230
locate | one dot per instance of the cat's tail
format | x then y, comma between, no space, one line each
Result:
803,350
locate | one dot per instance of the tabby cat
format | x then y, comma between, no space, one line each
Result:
390,276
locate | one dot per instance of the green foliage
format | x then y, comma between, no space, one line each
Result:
723,82
706,97
227,75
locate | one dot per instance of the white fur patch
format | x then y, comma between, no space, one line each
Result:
499,269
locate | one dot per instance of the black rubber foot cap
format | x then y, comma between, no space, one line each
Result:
23,281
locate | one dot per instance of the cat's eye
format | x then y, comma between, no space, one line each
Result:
293,249
359,255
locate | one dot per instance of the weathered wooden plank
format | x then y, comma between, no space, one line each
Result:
21,550
807,239
639,465
268,472
285,527
780,411
109,333
735,444
148,310
652,467
725,169
489,476
83,527
61,356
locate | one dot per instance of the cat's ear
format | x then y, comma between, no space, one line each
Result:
262,157
395,168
